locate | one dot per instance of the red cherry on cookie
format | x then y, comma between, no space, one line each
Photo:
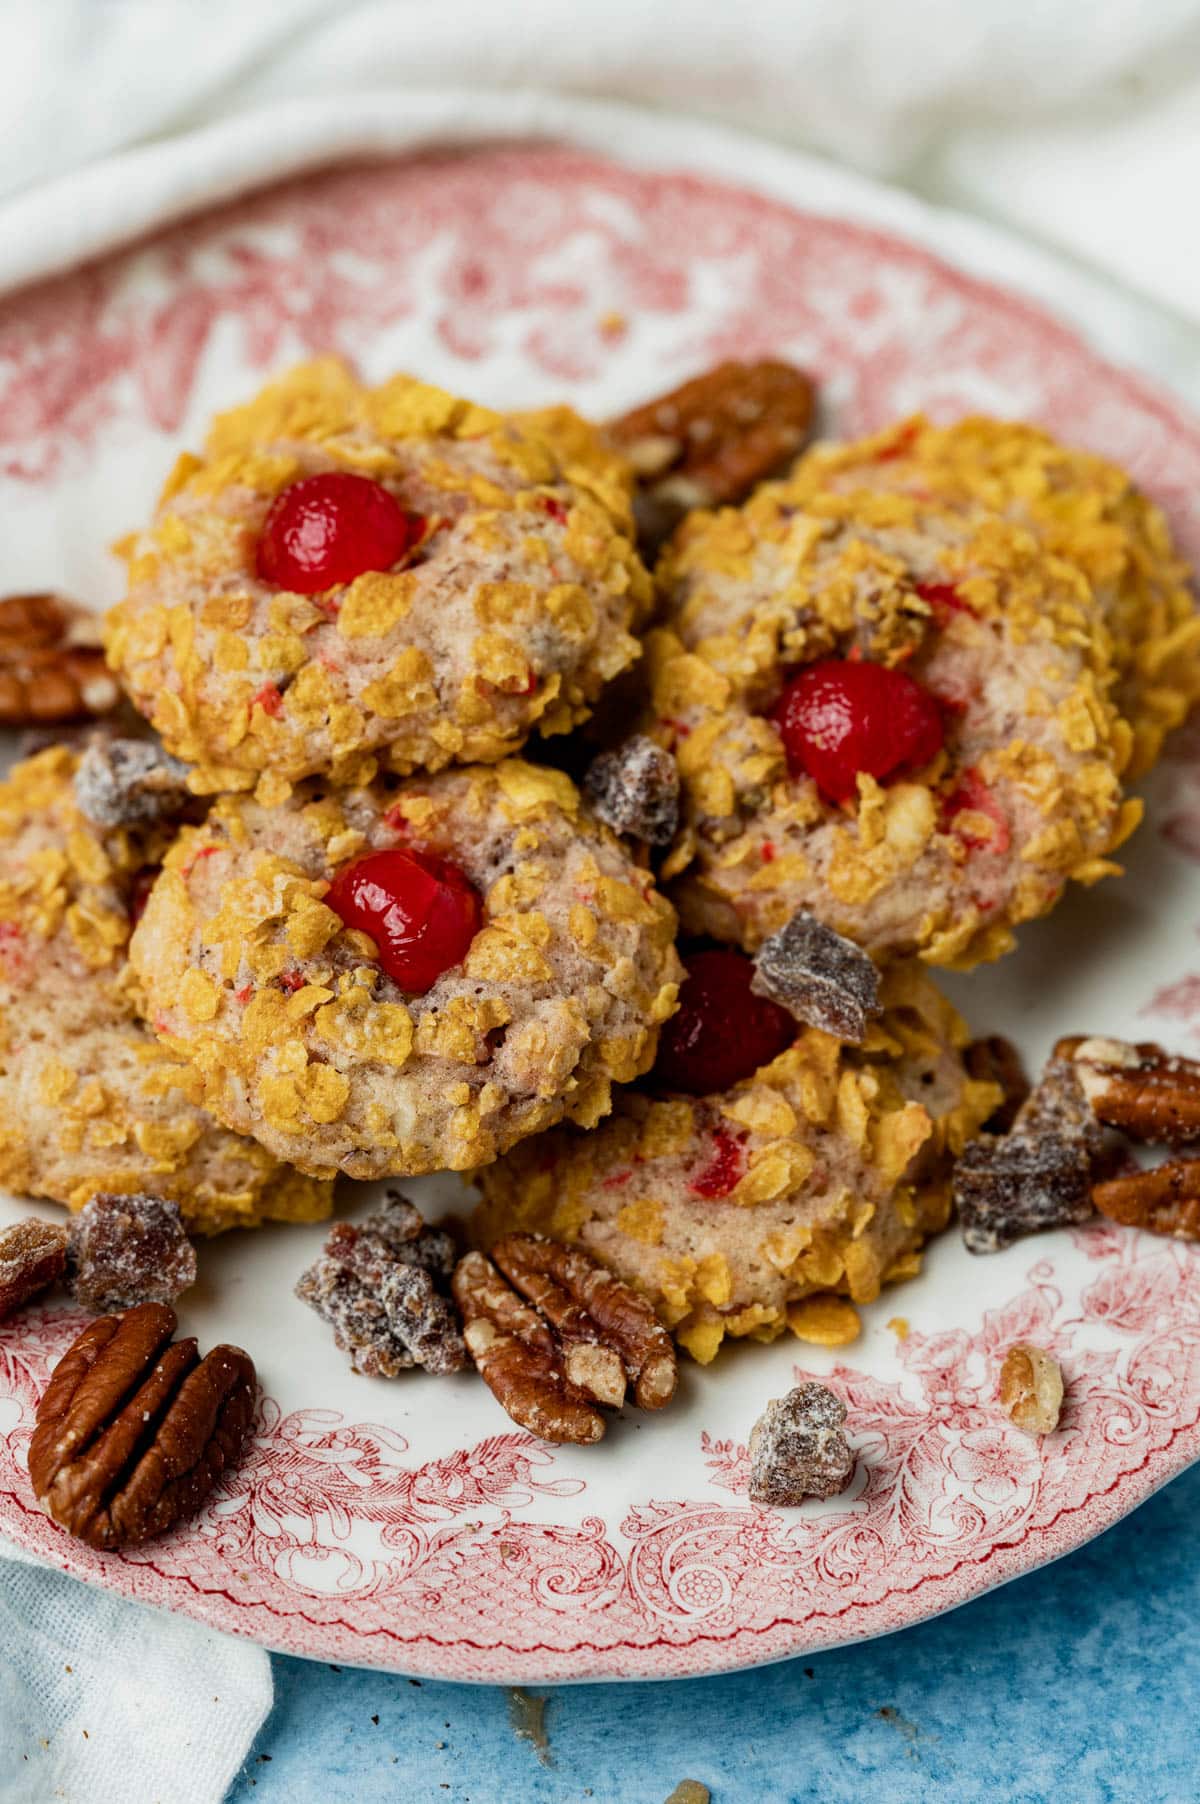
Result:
329,529
840,717
721,1032
420,910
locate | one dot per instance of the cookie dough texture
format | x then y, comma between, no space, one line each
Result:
89,1102
300,1038
508,618
844,1154
1030,589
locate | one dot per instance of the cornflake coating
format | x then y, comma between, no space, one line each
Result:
130,783
89,1101
383,1287
635,789
995,604
508,617
798,1448
734,1213
125,1250
824,980
297,1036
33,1256
1031,1389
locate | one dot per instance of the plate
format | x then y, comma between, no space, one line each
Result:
407,1525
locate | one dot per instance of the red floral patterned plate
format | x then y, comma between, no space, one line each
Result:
406,1525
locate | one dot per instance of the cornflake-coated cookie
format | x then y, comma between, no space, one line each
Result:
89,1102
974,646
554,966
737,1214
465,579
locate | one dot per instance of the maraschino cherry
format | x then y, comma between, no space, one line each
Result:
722,1032
842,717
328,529
421,911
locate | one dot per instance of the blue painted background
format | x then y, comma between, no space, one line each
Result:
1079,1684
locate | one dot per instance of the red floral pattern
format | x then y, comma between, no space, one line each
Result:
337,1539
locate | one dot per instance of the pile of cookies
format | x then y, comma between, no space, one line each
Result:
441,833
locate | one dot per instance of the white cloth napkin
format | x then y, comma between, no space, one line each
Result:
1078,125
104,1702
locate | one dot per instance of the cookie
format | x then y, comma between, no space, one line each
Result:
89,1101
1082,508
898,712
741,1212
518,964
352,576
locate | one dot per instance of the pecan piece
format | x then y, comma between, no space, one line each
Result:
995,1060
134,1429
711,441
1164,1200
1031,1388
51,665
1148,1093
585,1335
33,1256
822,979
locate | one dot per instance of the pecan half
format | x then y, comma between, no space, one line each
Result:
134,1429
573,1338
1165,1200
1148,1093
711,441
51,664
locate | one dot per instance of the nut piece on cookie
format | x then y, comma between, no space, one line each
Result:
572,1344
635,789
383,1286
374,576
1031,1389
128,1249
130,783
33,1256
798,1448
134,1429
821,978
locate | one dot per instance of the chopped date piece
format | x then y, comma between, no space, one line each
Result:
995,1060
1031,1389
635,790
130,783
821,978
1008,1187
33,1256
380,1286
798,1448
126,1250
1057,1104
